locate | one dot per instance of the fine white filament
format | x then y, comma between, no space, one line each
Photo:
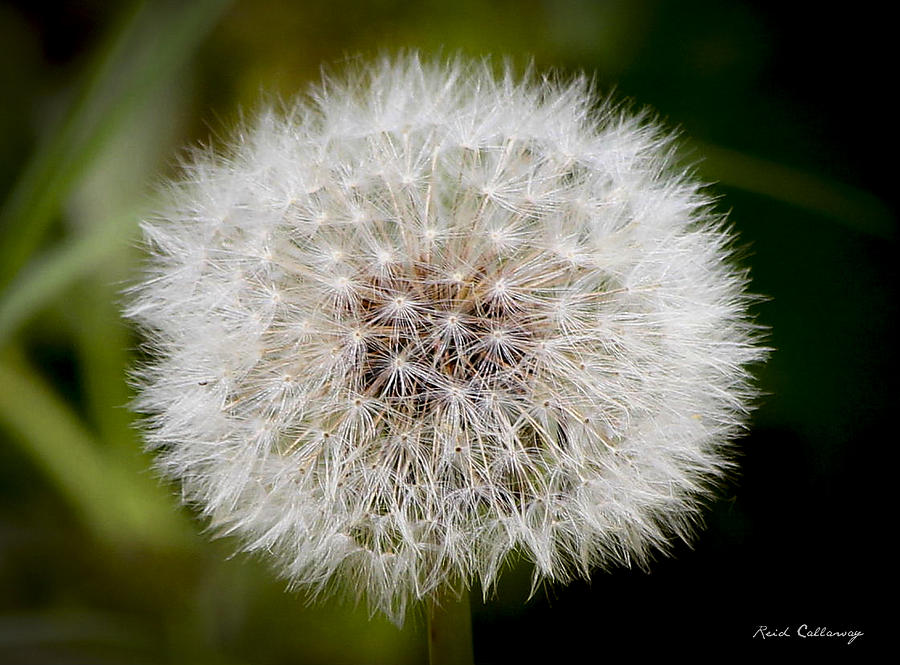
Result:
428,316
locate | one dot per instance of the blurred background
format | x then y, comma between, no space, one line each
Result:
783,105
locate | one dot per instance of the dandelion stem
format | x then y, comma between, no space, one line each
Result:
450,629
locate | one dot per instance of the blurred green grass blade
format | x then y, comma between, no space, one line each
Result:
48,275
103,344
852,207
114,503
37,193
57,442
148,50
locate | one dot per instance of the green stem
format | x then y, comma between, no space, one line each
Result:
450,629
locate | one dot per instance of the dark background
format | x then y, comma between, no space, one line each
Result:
784,105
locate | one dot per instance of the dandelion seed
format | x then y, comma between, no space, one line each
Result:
443,316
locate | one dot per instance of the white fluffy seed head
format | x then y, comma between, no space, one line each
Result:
427,317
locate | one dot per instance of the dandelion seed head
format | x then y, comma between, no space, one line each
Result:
427,316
